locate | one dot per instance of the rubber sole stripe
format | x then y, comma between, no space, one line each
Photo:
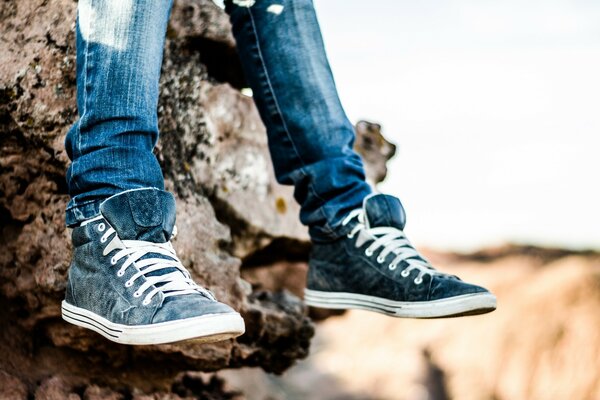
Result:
115,333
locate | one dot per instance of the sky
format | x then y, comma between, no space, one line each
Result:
494,107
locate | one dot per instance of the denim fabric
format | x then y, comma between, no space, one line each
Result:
310,137
93,282
119,54
341,266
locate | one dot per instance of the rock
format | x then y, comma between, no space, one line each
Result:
225,157
374,149
11,387
200,20
231,212
95,392
188,386
55,388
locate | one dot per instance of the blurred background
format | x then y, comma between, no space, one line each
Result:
495,109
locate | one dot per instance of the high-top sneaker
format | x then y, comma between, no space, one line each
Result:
374,267
127,284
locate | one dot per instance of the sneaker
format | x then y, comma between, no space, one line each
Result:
374,267
127,284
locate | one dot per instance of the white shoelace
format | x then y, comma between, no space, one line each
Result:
175,283
393,241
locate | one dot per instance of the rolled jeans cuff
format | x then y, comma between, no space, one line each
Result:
327,233
76,213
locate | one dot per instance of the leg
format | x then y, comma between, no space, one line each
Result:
310,137
360,257
119,56
125,280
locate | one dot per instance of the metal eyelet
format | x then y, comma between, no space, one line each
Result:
101,227
392,266
128,284
103,239
136,294
418,280
113,261
380,259
405,273
120,273
368,252
145,302
349,235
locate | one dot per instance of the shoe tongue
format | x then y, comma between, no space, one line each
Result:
141,214
384,210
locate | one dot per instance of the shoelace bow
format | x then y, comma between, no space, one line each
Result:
175,283
393,241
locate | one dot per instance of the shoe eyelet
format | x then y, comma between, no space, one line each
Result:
103,239
380,259
128,284
349,235
101,227
145,302
405,273
113,261
120,273
418,281
368,252
392,266
136,294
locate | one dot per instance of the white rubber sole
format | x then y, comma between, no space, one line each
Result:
468,304
206,328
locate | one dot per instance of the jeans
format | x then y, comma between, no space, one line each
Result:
119,55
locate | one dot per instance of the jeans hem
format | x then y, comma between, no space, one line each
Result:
332,231
327,233
78,213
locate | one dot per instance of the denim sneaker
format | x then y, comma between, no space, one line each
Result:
127,284
374,267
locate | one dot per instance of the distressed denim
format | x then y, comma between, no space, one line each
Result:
119,55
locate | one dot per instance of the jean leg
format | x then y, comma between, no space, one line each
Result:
119,56
310,137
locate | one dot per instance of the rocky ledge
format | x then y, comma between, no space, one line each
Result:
236,223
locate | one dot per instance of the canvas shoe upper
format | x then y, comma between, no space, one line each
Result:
126,282
375,267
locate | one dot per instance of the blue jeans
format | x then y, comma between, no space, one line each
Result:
119,56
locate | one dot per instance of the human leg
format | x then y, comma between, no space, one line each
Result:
361,257
125,281
310,137
119,56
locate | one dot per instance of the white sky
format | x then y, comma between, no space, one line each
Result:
494,107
